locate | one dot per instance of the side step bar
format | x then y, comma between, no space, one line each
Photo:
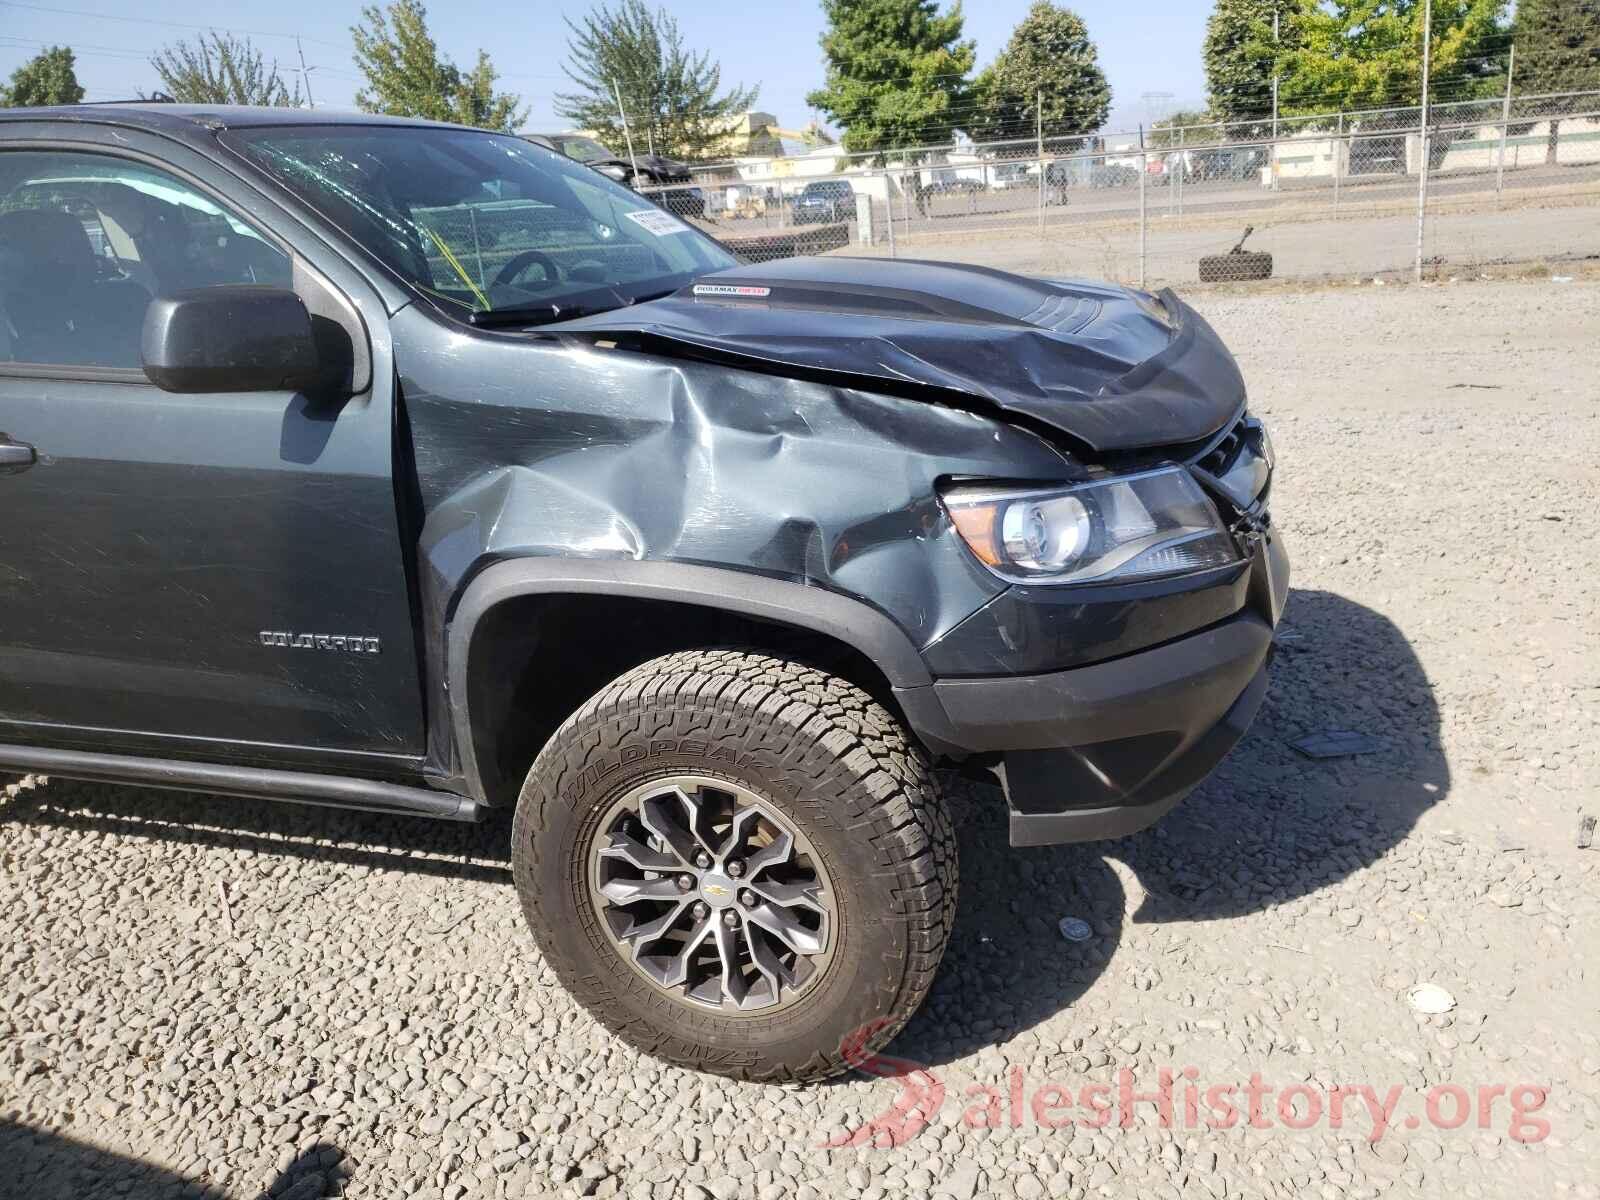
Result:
297,787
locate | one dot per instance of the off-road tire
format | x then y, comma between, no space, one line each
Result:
836,764
1234,268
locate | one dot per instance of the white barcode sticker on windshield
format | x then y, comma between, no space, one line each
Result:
657,222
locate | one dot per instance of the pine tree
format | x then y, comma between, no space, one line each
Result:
1049,70
407,77
897,72
46,78
221,69
1242,54
1558,50
672,97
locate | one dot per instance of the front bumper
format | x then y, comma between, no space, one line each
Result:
1105,750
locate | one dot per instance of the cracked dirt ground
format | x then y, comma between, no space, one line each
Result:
212,997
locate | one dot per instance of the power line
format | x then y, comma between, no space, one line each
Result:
101,16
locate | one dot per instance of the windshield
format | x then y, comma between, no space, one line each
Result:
484,223
585,150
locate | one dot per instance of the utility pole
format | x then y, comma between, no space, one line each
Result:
1422,171
1505,121
1275,54
305,72
1274,73
632,158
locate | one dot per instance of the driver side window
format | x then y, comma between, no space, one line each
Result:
86,241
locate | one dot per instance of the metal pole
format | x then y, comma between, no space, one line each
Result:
1422,166
1274,97
617,92
477,245
1038,114
1144,169
1183,167
1505,122
305,72
888,208
1338,164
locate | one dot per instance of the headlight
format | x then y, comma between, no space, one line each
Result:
1122,528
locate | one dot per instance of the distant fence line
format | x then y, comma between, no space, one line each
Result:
1351,198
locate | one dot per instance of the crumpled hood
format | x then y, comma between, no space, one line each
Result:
1114,368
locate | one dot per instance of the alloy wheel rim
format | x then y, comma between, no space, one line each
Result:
712,895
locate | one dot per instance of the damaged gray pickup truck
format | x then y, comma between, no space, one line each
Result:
413,468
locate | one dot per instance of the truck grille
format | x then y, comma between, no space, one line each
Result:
1240,464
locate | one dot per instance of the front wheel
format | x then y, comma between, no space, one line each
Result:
738,863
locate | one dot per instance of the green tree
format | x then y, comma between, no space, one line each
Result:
1242,53
1353,54
673,98
897,72
46,78
1198,128
1049,69
1558,50
407,77
219,68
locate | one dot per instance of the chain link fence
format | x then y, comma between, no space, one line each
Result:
1514,180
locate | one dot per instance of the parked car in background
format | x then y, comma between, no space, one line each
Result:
824,200
960,185
663,180
1225,162
1105,174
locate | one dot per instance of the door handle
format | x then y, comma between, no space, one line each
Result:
15,456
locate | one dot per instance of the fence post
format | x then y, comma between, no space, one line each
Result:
1505,123
1338,164
1183,167
888,208
1144,169
1038,112
1422,131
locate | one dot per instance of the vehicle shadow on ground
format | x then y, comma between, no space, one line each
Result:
1269,827
419,845
43,1165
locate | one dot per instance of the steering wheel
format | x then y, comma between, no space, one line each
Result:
522,262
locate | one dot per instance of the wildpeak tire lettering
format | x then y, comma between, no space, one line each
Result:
599,769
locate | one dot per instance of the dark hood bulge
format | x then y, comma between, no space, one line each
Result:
1114,368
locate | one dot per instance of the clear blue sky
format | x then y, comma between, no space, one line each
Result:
1145,45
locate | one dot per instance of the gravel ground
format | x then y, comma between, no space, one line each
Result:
221,998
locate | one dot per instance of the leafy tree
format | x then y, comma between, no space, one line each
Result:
672,97
897,72
1353,54
1198,129
1049,69
46,78
1242,54
1558,50
219,68
407,77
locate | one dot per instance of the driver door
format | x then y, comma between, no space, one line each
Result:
182,575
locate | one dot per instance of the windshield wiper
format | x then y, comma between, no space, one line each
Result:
551,311
538,314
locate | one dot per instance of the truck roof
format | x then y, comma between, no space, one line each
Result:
199,121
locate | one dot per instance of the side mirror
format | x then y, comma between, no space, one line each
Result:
231,338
